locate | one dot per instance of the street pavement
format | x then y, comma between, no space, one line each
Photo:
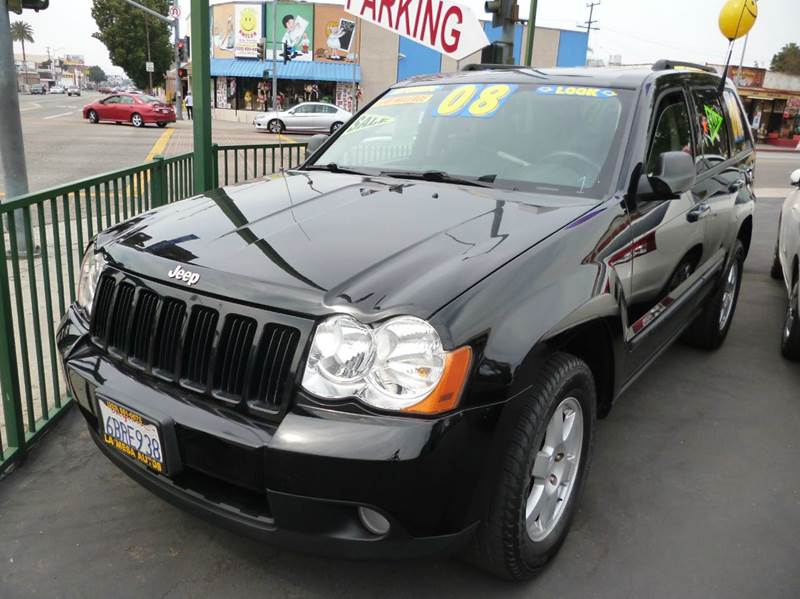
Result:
61,147
694,493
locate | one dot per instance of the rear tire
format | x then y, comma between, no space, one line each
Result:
710,329
161,124
542,472
335,127
93,117
137,120
790,342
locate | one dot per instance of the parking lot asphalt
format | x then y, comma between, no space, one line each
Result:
694,492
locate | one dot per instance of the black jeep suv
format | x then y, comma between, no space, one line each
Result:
402,347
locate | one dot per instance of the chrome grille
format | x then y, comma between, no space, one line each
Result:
204,345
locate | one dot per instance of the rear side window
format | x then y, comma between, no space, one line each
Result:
741,141
712,131
672,129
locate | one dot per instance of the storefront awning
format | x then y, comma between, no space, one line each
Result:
304,70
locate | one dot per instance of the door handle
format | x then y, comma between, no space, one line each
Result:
700,211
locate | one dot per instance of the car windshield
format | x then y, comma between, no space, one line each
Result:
149,99
548,138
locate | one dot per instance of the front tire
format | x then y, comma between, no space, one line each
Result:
137,120
776,272
275,126
542,472
93,117
790,341
710,329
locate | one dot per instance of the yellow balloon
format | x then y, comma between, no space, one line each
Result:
737,18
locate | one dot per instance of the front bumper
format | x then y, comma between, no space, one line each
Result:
297,483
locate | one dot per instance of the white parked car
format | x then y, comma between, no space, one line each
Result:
308,116
786,267
57,89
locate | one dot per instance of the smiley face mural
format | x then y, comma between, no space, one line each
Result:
248,30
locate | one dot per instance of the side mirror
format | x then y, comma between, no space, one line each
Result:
794,178
674,174
290,112
314,142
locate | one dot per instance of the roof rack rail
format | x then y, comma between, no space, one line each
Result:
503,67
668,65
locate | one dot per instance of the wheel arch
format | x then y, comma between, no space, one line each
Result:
745,234
592,342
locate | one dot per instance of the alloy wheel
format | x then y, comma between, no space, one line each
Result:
792,313
555,470
275,126
728,295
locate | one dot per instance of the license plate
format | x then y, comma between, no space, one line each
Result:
133,435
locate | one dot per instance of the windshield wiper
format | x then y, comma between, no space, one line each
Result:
335,168
441,177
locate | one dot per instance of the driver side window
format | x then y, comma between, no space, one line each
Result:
672,131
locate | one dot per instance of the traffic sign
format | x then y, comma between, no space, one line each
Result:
174,11
454,30
149,67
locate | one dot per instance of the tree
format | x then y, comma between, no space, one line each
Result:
22,32
787,60
127,31
96,74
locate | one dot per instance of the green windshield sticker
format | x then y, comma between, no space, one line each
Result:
713,123
368,121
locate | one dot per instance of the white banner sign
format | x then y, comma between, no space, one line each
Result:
248,30
444,25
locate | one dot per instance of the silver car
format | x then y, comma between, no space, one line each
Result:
308,116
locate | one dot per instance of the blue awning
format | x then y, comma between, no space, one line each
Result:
305,70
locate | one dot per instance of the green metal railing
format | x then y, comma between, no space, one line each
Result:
44,235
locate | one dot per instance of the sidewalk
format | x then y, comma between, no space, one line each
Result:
770,148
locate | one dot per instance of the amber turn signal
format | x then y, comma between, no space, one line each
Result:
446,395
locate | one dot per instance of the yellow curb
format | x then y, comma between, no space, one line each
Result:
160,145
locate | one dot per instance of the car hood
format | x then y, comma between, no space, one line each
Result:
317,242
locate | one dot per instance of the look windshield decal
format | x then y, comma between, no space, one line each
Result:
571,90
475,101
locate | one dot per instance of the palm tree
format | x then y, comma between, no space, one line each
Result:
22,32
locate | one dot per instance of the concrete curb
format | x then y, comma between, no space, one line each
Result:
772,192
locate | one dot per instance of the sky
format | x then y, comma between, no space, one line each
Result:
640,31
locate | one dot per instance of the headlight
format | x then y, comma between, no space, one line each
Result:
400,365
91,268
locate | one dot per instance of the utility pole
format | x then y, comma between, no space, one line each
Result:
531,34
274,56
149,73
12,147
175,24
590,23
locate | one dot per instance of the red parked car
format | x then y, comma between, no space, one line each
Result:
136,109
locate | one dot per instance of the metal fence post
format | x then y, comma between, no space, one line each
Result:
9,375
158,182
214,165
